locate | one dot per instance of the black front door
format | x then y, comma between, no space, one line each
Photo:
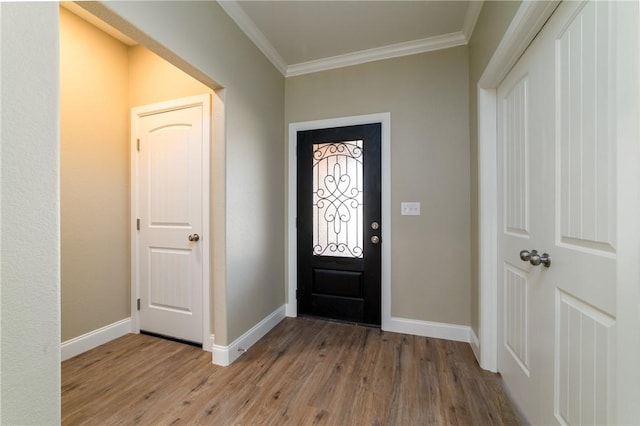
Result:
339,223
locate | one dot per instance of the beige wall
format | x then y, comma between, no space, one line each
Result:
200,36
100,80
94,177
427,96
493,21
29,223
152,79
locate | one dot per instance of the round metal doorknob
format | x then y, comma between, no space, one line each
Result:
545,259
375,239
535,259
525,255
194,237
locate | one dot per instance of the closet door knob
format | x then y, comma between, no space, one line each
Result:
525,255
545,259
535,258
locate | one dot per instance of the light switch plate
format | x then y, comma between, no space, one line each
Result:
410,209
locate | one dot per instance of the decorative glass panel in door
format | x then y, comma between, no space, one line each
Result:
337,199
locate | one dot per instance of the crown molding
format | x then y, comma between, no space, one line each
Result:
413,47
470,19
247,26
379,53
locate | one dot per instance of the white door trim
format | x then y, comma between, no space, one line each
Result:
526,23
292,269
199,100
627,377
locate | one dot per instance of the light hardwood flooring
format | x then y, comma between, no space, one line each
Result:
304,372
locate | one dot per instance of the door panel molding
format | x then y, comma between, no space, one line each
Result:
203,101
583,362
292,273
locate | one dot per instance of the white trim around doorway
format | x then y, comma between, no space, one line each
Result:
527,22
292,270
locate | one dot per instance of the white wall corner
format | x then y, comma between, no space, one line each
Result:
436,330
246,24
488,224
226,355
470,19
94,338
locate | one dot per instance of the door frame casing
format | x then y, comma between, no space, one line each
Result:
525,25
203,100
292,267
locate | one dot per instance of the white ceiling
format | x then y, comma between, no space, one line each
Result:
307,36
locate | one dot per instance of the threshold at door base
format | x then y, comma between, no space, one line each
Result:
173,339
360,324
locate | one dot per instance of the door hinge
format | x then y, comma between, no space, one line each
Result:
138,224
298,294
138,144
138,303
296,223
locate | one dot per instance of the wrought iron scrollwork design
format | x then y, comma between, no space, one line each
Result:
337,199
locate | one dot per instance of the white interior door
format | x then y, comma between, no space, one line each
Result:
517,288
172,201
557,159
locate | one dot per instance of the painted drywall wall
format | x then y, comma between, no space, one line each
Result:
94,177
427,96
493,21
202,37
152,79
30,270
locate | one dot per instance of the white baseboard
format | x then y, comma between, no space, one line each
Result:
438,330
225,355
475,344
292,309
94,338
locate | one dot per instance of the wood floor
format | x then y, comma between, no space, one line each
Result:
304,372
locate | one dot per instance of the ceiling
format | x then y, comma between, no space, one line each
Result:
305,36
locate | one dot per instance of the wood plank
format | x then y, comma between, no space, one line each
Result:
305,371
